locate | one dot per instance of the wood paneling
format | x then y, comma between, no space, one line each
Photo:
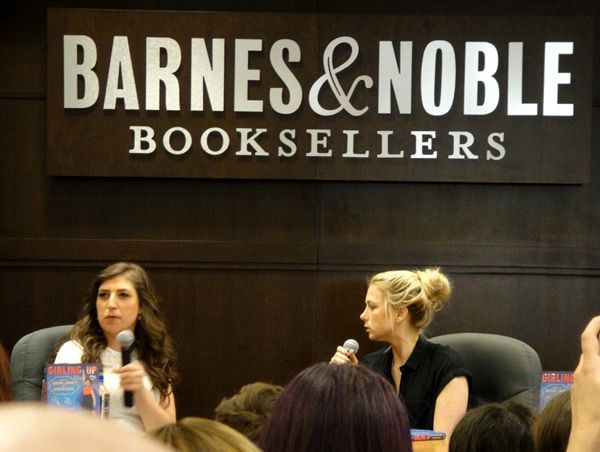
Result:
262,278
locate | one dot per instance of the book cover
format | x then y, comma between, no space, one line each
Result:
553,383
425,435
74,386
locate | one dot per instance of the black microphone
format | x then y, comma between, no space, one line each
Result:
126,339
351,345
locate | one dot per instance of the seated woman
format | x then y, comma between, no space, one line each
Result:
122,298
430,378
494,427
337,408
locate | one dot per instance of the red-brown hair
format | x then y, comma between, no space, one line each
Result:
4,375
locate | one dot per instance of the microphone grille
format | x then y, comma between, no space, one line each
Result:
126,338
351,345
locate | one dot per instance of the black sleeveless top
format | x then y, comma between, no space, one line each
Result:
429,368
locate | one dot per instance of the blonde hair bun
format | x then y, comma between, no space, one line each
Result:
422,292
436,286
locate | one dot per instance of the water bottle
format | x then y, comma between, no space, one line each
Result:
44,386
104,400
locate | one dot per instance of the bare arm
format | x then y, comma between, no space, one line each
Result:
585,393
451,405
152,413
155,414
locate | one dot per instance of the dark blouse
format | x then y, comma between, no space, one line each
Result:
429,368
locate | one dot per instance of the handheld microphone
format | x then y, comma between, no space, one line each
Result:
351,345
126,339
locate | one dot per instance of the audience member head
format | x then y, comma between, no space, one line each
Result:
152,343
494,427
4,375
337,408
248,410
193,434
552,427
25,426
421,292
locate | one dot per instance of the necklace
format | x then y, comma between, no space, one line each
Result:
396,375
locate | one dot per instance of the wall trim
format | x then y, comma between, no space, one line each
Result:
307,255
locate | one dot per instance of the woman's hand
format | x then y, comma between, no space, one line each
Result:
152,412
585,393
132,376
343,356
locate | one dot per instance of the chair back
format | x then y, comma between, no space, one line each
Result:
28,358
503,368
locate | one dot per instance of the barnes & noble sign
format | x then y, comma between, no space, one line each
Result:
324,97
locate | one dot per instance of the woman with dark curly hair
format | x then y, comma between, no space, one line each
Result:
122,298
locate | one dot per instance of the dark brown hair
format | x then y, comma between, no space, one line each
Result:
494,427
153,345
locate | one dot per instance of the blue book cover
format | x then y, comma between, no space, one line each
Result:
425,435
553,383
74,386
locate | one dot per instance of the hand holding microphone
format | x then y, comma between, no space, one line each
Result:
346,354
126,339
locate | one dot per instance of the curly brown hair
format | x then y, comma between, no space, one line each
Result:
152,345
248,410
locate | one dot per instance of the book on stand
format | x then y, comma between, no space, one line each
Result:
426,435
553,383
74,386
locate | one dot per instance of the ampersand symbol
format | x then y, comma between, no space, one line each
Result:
330,76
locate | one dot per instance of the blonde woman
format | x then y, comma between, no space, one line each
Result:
430,378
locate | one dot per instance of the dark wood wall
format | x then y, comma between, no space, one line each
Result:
262,278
